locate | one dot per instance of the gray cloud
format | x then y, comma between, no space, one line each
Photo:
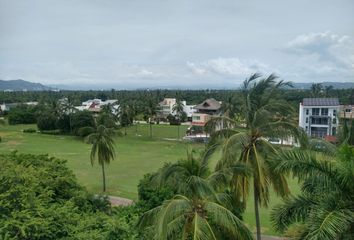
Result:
160,42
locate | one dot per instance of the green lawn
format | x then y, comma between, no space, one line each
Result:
136,156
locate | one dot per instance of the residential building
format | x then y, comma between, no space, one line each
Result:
319,116
346,112
166,108
205,111
7,106
96,105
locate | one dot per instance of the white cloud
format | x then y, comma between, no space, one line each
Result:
228,67
322,55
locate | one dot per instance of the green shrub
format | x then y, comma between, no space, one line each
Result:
41,199
29,130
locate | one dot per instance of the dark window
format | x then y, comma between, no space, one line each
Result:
334,112
334,121
319,121
324,111
334,131
307,120
307,112
348,110
315,111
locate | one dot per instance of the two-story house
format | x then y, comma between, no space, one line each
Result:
206,110
166,108
319,116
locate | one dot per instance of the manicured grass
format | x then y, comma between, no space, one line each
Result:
136,156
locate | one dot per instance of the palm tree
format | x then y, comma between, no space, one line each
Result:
178,109
150,111
324,209
198,212
185,217
264,116
102,148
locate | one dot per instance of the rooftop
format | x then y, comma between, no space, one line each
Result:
209,104
320,102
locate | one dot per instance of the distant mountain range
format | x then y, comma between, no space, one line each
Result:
22,85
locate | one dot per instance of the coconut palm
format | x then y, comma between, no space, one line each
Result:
102,148
178,109
264,116
198,212
150,111
185,217
324,209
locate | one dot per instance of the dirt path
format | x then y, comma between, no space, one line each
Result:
119,201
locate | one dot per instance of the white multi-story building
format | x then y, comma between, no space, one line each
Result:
166,108
319,116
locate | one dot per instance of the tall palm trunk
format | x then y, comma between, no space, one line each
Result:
150,130
103,177
256,211
178,131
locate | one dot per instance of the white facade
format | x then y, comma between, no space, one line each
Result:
319,120
166,108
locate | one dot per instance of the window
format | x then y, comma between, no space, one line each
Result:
334,131
348,110
196,118
319,120
334,112
307,112
307,120
307,129
324,111
315,111
334,120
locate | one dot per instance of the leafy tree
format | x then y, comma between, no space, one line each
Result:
102,148
22,114
316,89
324,209
41,199
82,119
245,141
46,122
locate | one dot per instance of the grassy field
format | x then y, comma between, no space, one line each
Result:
136,156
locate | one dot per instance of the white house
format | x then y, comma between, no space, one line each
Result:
166,108
95,105
319,116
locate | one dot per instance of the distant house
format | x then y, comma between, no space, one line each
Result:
166,108
5,107
205,111
96,105
319,116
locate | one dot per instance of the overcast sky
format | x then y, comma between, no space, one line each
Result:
154,43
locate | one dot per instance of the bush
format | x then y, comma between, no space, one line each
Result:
29,130
42,200
51,132
151,196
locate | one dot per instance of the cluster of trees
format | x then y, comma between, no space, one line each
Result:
41,199
209,204
188,199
